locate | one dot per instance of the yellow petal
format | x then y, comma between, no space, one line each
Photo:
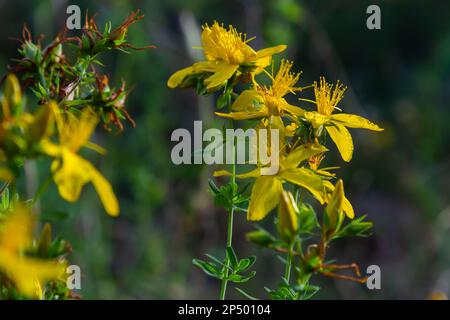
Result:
302,153
12,95
77,131
50,148
16,230
306,179
29,274
57,115
70,174
206,66
242,115
354,121
74,172
265,196
343,140
248,100
296,111
261,63
251,174
270,51
105,192
348,209
177,78
275,123
224,72
316,118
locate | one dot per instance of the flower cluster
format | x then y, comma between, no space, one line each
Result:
72,98
230,65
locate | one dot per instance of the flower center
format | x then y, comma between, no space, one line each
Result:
327,98
284,81
220,44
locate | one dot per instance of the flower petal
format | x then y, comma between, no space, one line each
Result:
265,196
70,175
105,192
248,100
251,174
261,63
177,78
206,66
306,179
296,111
343,140
224,72
242,115
270,51
348,208
29,273
302,153
354,121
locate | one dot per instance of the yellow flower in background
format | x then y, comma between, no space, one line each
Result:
12,96
225,51
27,273
267,190
335,124
70,171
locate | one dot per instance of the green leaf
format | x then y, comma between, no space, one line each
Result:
223,101
237,278
231,255
307,219
208,268
245,264
357,227
216,260
245,294
260,237
213,187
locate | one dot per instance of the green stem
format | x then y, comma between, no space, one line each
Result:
287,270
223,285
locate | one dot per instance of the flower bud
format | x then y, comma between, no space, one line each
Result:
287,216
334,209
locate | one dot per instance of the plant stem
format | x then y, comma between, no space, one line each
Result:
223,285
287,271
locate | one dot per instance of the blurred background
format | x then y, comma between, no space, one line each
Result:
399,77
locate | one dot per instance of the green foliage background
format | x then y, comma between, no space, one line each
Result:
398,76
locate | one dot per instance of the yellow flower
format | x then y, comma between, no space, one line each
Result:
266,101
27,273
12,96
70,171
267,190
336,124
225,51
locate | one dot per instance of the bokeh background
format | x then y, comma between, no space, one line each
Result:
398,76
